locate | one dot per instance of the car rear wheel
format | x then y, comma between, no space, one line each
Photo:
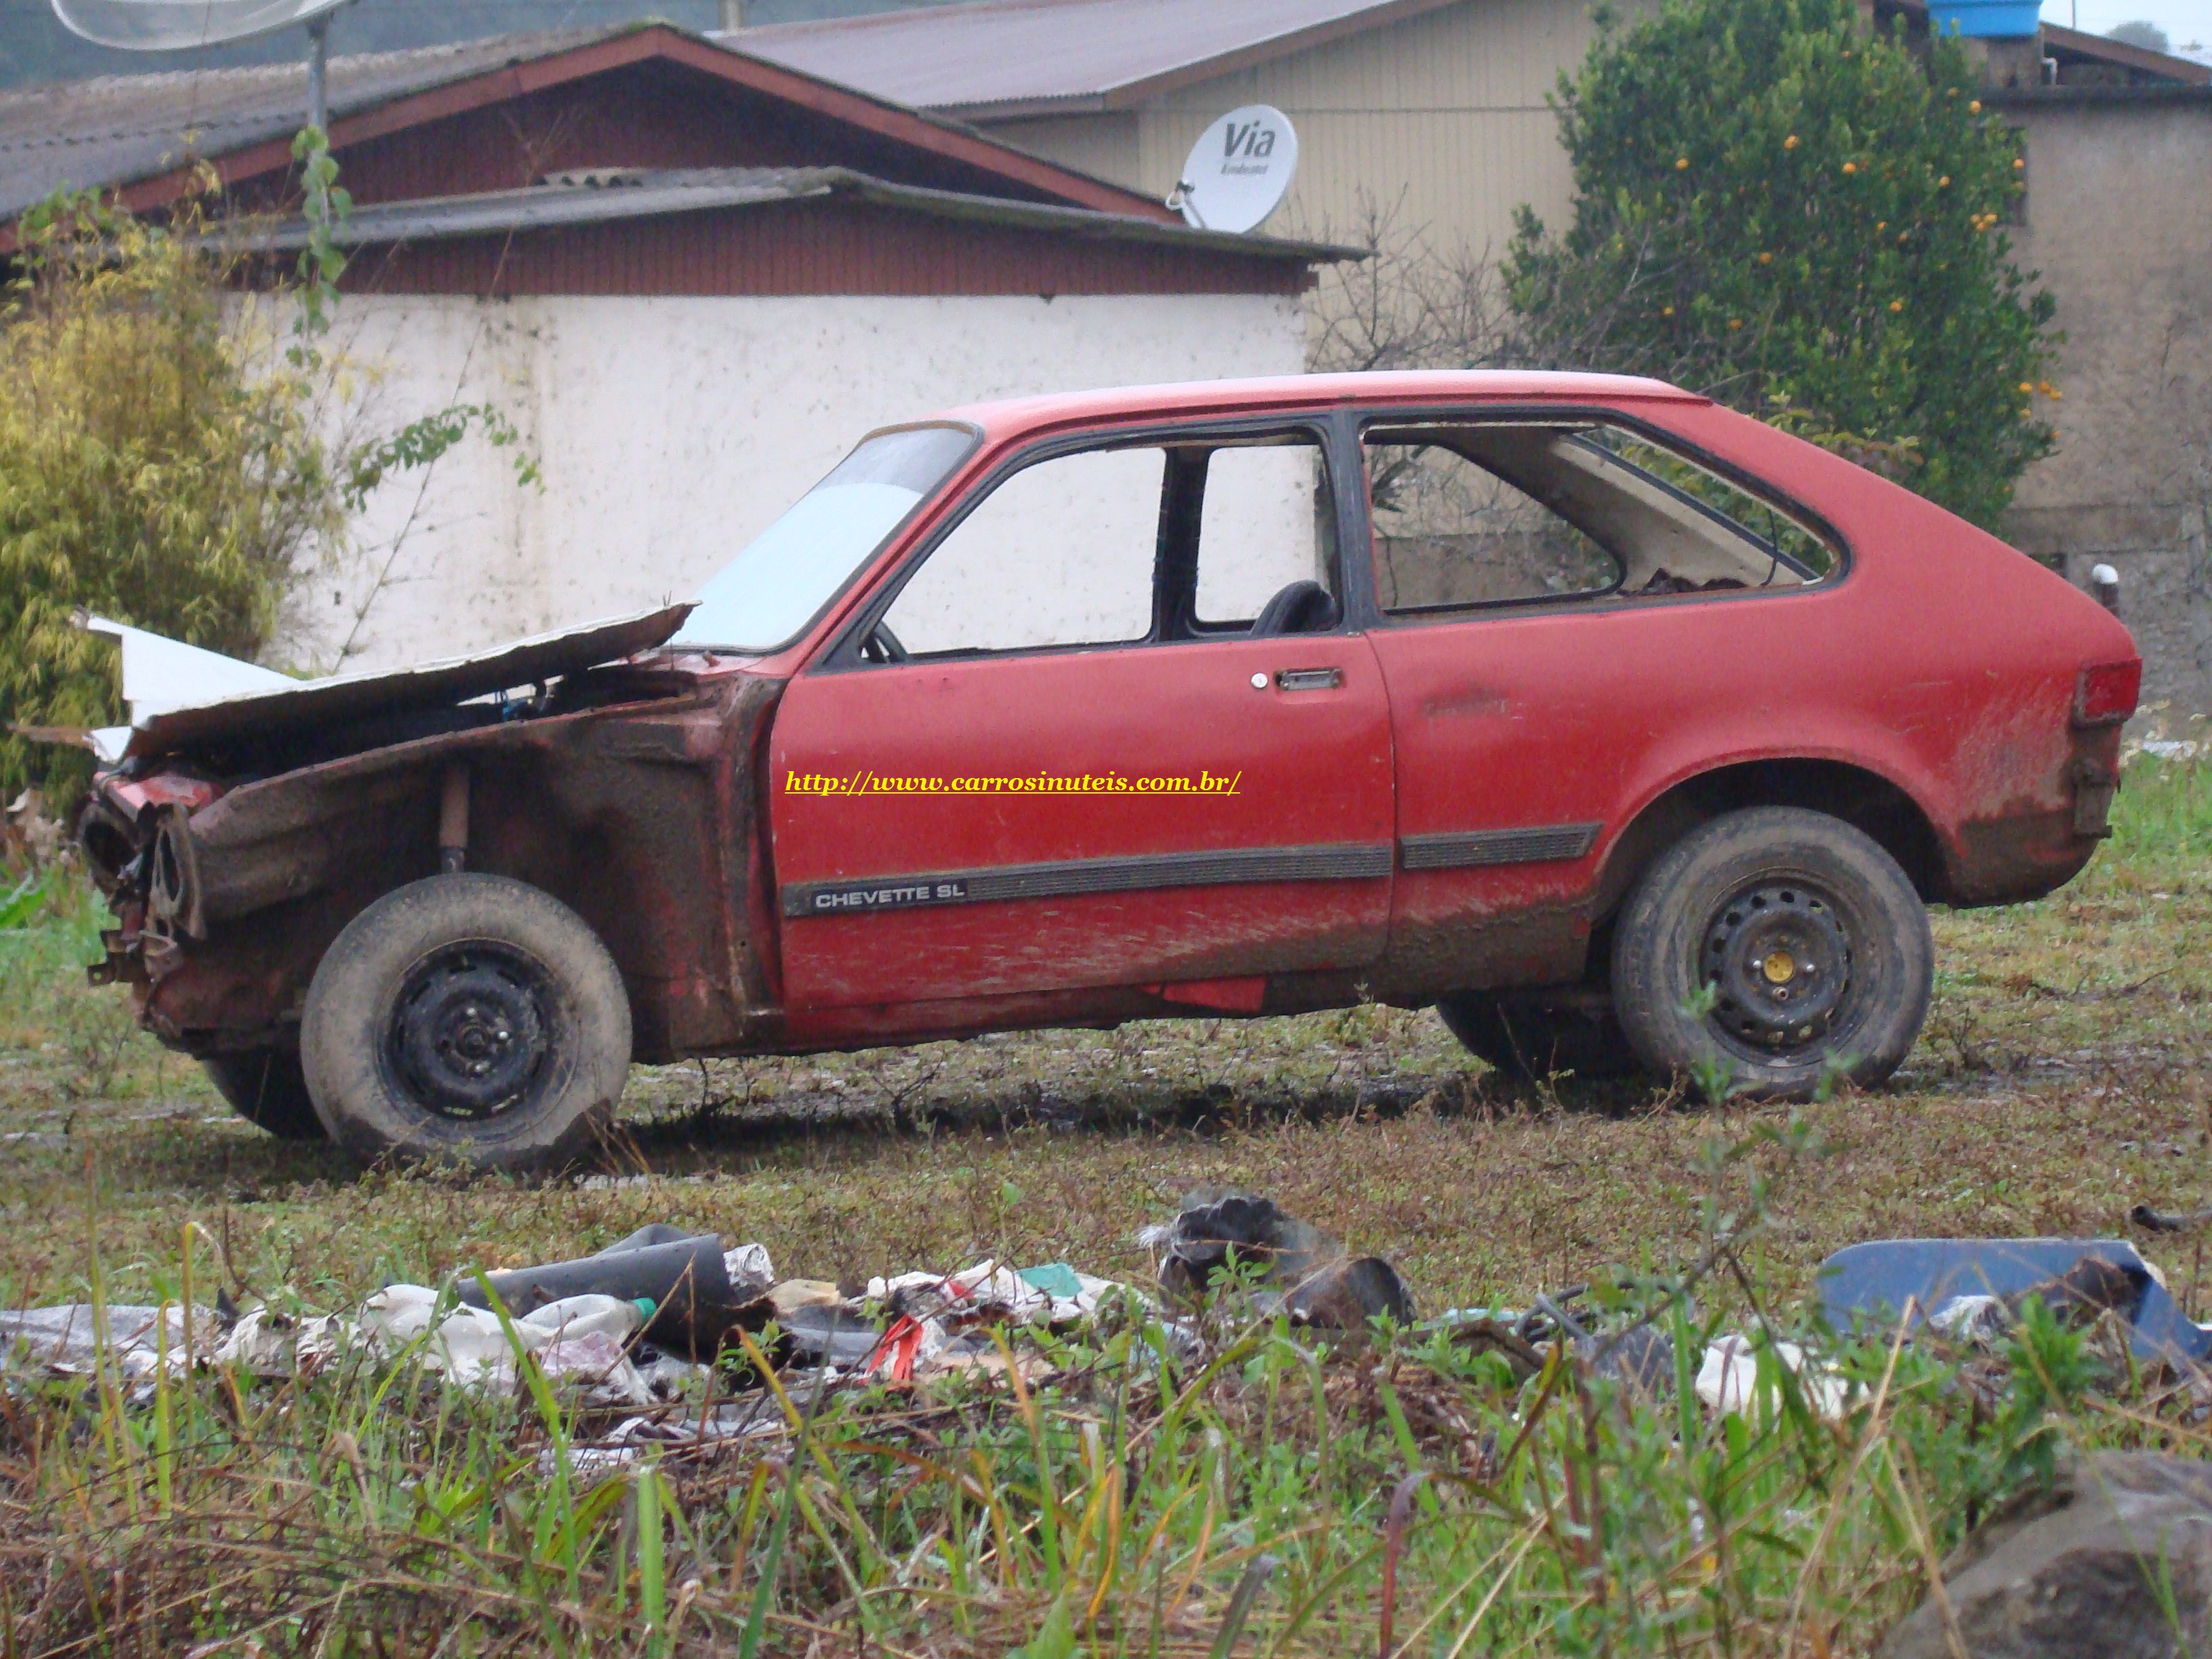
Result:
1530,1037
266,1087
469,1017
1770,951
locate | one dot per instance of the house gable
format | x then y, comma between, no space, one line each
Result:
407,125
658,112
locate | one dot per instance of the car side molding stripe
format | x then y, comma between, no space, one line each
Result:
1341,862
1546,843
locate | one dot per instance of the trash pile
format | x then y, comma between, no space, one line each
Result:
640,1326
639,1323
662,1339
1303,1270
638,1330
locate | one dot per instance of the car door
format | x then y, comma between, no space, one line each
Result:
1038,763
1545,591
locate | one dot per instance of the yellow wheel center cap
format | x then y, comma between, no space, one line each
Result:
1780,967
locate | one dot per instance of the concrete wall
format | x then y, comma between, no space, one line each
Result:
2119,225
670,431
1442,116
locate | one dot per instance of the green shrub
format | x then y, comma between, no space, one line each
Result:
157,464
1802,219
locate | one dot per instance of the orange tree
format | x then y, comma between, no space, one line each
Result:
1803,219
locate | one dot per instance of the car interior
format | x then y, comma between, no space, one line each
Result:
1216,539
1502,512
1124,546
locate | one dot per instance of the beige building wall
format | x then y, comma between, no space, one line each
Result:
2119,224
1440,116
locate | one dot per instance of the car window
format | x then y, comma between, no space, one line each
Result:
1502,512
1716,525
777,582
1267,518
1450,532
1061,553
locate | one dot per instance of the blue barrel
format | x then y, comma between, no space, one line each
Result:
1984,20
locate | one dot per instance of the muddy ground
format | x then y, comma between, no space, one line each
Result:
2062,1079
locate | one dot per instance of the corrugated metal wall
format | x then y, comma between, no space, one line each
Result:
1443,116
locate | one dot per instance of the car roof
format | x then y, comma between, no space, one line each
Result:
1009,416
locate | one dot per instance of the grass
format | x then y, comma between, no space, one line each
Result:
2060,1081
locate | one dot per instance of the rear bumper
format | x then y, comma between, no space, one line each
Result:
2011,859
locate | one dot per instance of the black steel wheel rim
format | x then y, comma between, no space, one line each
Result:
1776,955
472,1033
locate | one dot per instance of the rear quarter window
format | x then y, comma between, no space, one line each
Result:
1474,514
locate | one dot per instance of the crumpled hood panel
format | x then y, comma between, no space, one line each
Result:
448,680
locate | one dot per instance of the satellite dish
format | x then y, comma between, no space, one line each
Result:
1238,173
179,25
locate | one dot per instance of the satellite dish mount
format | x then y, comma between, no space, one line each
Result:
1238,171
319,72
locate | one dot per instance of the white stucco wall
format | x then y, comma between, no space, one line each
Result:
1062,552
670,431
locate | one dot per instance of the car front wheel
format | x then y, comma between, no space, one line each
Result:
1771,950
469,1017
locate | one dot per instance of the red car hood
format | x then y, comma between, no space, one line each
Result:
448,680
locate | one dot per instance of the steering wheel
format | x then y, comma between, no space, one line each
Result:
882,646
1303,607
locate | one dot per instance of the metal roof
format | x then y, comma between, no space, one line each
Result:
1006,57
2140,65
621,194
1000,59
2070,50
120,128
135,130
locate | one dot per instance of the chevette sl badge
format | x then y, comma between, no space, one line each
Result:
890,898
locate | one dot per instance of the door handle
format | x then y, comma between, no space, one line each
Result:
1309,679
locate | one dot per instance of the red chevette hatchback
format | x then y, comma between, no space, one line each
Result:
1628,732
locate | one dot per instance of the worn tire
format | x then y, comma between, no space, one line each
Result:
267,1088
1527,1036
1760,904
467,1017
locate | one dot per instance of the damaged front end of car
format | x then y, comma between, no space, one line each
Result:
235,839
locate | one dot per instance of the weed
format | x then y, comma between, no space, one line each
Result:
1264,1495
1125,1505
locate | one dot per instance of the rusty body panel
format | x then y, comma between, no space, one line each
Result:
639,816
1463,808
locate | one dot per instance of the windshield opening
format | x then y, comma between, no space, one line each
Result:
779,582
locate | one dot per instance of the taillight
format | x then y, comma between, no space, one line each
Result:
2106,691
